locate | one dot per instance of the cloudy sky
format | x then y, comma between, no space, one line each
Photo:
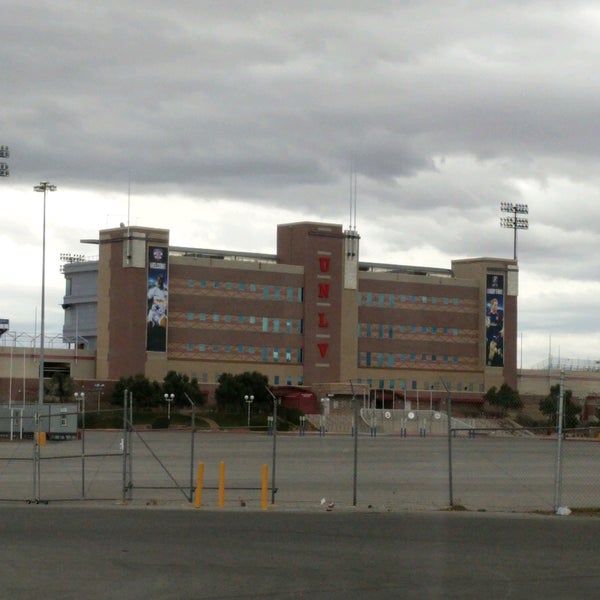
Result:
219,119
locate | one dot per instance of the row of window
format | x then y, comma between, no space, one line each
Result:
268,292
389,359
277,379
391,300
389,331
267,354
296,294
381,384
267,324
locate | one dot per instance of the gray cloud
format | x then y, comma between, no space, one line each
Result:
444,109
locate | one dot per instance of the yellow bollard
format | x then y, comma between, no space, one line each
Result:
264,487
41,438
221,484
199,483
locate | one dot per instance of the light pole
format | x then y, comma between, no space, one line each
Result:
249,400
168,399
99,387
514,222
44,186
81,396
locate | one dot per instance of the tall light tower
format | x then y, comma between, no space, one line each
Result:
44,187
515,222
4,153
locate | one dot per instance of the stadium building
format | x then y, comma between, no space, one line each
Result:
312,314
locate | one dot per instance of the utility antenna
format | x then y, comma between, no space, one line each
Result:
353,181
128,197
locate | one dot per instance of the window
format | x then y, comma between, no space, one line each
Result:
216,284
252,287
369,298
202,316
276,325
368,330
368,359
190,283
252,320
276,379
277,292
202,347
242,286
227,318
290,293
288,355
381,300
240,318
265,354
380,359
265,324
190,316
391,300
275,354
265,292
215,318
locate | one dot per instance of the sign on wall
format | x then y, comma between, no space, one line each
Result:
157,299
494,321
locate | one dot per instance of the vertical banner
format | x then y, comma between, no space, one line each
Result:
157,299
494,321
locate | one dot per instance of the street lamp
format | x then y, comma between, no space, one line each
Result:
44,186
249,400
168,399
80,397
514,222
99,387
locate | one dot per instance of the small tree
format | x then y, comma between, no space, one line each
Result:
145,393
232,389
504,398
61,386
180,384
549,407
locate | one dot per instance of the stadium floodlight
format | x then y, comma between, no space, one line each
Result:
515,222
44,186
4,153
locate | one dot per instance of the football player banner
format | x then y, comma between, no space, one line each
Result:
157,299
494,321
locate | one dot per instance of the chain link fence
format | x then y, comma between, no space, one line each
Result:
495,470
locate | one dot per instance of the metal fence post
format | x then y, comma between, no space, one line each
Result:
559,436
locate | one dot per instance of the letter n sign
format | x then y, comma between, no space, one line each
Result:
323,290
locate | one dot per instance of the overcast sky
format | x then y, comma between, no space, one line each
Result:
219,119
